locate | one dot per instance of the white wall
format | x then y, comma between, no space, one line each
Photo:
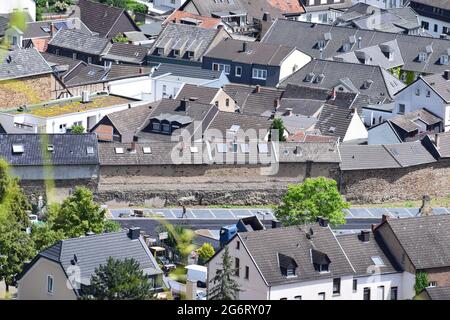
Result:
136,88
295,61
356,129
374,281
315,17
413,102
168,3
384,4
370,114
440,24
7,6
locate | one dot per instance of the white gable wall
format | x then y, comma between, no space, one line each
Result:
293,62
356,129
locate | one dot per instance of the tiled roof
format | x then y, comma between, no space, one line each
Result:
305,36
77,41
93,251
443,4
68,149
439,84
408,120
361,253
186,71
201,93
22,63
42,29
425,239
256,52
264,247
225,120
439,293
335,73
308,151
125,52
334,120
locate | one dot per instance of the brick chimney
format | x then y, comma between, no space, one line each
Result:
426,209
447,74
257,88
276,104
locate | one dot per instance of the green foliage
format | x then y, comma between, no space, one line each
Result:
16,248
395,72
79,214
277,124
421,282
44,236
224,287
121,38
179,239
119,280
315,197
112,226
13,202
128,5
77,130
205,252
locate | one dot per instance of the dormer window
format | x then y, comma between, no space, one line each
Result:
444,60
320,261
288,266
176,53
321,44
309,77
160,51
346,47
319,78
190,54
422,56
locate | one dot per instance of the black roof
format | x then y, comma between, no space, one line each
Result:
68,149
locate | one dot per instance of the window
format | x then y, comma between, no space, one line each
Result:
216,104
444,59
337,286
323,17
298,297
164,90
247,272
378,261
417,92
238,71
156,126
160,51
321,295
227,102
380,292
425,25
238,245
283,298
77,123
290,272
432,284
422,56
321,267
401,108
176,53
260,74
355,285
166,128
221,67
428,93
366,295
394,292
49,284
236,266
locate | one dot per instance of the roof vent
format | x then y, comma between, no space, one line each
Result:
323,222
50,148
367,84
85,97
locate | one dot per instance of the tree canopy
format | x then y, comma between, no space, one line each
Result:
119,280
205,252
278,127
315,197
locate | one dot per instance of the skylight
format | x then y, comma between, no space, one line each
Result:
90,150
17,148
146,150
378,261
119,150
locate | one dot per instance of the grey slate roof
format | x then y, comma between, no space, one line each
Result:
360,157
438,293
308,151
443,4
38,29
251,102
407,121
128,53
440,85
384,85
69,149
425,239
186,71
22,63
3,25
360,254
203,94
264,247
305,37
77,41
335,117
256,52
224,120
93,251
444,144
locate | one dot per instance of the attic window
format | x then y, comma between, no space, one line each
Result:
119,150
309,77
332,129
90,150
17,148
321,44
146,150
377,261
160,51
444,60
320,261
50,148
367,84
319,78
287,265
422,56
346,47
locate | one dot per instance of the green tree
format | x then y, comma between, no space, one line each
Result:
119,280
224,286
77,129
121,38
112,226
278,125
205,252
16,248
421,282
13,201
315,197
44,236
79,214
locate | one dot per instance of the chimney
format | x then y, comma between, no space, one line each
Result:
359,42
426,209
333,94
364,236
276,224
437,139
133,146
276,104
288,112
447,74
134,233
52,30
141,70
257,88
384,218
267,17
323,222
183,105
244,46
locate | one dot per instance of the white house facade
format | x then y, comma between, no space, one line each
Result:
22,5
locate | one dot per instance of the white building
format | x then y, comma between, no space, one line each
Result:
430,93
167,80
22,5
309,262
60,115
383,4
434,16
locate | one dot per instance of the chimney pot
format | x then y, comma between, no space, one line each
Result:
134,233
426,209
257,88
323,222
364,236
359,42
447,74
276,104
244,46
